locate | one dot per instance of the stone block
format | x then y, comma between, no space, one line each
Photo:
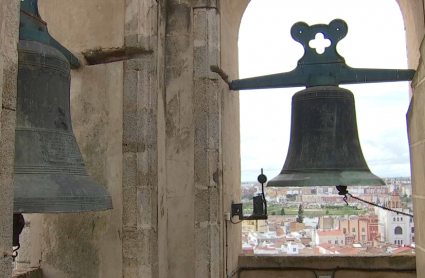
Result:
416,115
140,24
130,207
206,44
419,206
420,262
417,164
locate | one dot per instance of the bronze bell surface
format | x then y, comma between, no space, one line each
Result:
50,175
324,148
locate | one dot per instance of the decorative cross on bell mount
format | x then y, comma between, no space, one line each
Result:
324,146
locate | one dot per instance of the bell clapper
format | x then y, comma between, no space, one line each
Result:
18,226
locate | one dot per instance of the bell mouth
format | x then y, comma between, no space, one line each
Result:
324,178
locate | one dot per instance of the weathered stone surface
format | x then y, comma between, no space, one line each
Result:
9,21
140,143
83,25
413,15
350,266
27,273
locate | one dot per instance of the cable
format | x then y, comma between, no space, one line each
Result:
235,222
376,205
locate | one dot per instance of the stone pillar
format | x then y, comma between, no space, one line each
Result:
194,189
413,14
9,22
416,122
142,87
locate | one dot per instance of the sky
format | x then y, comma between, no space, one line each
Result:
375,39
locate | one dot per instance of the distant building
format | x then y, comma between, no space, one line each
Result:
357,227
331,237
296,227
255,225
395,228
327,223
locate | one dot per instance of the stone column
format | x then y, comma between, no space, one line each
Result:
142,87
9,22
413,14
194,192
416,122
208,185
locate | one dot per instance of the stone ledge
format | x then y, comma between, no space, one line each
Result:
27,273
319,262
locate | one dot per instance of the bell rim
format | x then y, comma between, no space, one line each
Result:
325,178
44,193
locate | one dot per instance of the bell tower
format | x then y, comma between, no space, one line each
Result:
395,201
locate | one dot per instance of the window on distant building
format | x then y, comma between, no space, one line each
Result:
336,241
395,241
344,230
342,241
413,230
354,230
398,242
401,218
394,219
362,229
402,242
397,219
363,237
329,241
398,230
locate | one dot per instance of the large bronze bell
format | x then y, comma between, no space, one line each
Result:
324,148
50,175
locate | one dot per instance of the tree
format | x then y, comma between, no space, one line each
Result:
273,213
282,211
327,212
300,217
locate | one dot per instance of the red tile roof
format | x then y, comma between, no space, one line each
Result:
402,249
330,233
348,250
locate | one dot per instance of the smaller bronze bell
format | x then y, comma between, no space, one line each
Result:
324,148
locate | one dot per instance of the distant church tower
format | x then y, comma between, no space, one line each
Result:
395,228
395,201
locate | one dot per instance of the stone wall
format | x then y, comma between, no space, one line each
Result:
9,14
413,12
338,266
416,121
90,244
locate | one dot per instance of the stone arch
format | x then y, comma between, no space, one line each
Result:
413,22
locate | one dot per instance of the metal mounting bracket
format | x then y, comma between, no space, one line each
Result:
259,204
326,69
